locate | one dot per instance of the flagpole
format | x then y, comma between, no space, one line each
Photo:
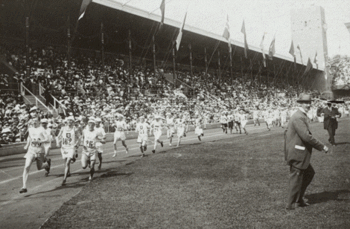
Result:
206,63
174,65
231,73
219,65
154,54
27,47
190,48
68,45
130,57
102,47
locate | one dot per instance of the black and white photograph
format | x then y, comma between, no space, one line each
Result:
204,114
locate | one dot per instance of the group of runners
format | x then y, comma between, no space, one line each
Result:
91,136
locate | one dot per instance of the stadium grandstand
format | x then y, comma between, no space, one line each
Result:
114,58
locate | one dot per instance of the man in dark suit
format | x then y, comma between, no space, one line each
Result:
330,122
298,147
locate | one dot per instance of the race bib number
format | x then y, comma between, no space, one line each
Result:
36,144
90,144
67,140
142,131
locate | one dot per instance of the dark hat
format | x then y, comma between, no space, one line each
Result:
304,98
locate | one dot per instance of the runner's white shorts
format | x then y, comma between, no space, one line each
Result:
198,131
142,138
67,152
89,154
170,131
99,147
119,135
269,121
244,123
157,134
180,131
33,153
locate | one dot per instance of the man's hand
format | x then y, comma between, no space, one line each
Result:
325,149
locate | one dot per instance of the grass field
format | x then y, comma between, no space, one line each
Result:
235,183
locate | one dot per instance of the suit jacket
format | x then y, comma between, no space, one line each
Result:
299,141
328,120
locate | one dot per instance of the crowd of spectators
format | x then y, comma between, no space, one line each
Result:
340,70
88,88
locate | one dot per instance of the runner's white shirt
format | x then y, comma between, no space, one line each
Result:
142,128
157,126
36,134
120,126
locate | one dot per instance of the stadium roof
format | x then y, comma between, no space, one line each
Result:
115,4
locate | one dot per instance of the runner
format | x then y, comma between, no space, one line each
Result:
68,138
90,137
156,126
199,130
243,118
36,137
180,129
230,119
119,134
99,144
238,122
142,128
47,145
170,128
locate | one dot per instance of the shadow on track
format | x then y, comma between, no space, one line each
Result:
328,196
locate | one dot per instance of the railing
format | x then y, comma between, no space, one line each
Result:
57,105
37,101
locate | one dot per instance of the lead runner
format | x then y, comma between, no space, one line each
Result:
36,137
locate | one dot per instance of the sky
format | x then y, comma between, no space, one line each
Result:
271,17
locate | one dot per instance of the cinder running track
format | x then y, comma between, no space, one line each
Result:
45,194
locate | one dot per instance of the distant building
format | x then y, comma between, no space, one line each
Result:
309,36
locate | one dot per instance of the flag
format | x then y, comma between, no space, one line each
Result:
272,48
262,50
83,8
315,60
291,51
348,26
301,56
308,66
179,36
162,9
226,34
245,40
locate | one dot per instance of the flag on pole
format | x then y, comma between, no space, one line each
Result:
301,56
83,8
347,26
315,60
292,52
272,48
179,36
245,40
162,9
262,50
226,34
308,66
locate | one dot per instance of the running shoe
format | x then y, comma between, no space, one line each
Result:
153,151
161,143
23,190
